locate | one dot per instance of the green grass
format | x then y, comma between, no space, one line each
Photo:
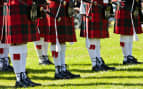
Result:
125,77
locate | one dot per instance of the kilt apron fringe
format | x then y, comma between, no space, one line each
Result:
87,39
58,48
135,37
5,22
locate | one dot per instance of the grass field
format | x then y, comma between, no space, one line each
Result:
125,77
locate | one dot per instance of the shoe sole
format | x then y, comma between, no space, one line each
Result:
43,64
131,63
62,78
21,86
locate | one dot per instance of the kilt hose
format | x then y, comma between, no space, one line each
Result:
95,24
123,23
65,24
20,28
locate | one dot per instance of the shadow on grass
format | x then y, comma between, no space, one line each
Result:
7,78
30,70
79,64
115,64
81,70
40,70
6,72
31,77
113,77
131,70
118,64
110,64
97,84
7,87
122,69
42,78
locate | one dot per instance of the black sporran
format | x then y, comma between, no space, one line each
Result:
33,13
141,16
108,11
70,8
136,12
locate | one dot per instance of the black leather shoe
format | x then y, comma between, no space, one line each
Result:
43,63
32,83
21,84
8,68
104,67
49,62
45,60
5,66
61,75
27,80
96,68
68,73
131,60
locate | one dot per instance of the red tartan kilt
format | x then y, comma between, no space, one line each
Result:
1,3
97,25
1,20
65,27
43,26
123,23
21,29
20,2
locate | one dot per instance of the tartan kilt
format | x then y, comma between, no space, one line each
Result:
123,23
20,28
1,20
1,3
43,26
97,25
65,26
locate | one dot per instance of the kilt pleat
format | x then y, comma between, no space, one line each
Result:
1,3
43,25
97,25
65,26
